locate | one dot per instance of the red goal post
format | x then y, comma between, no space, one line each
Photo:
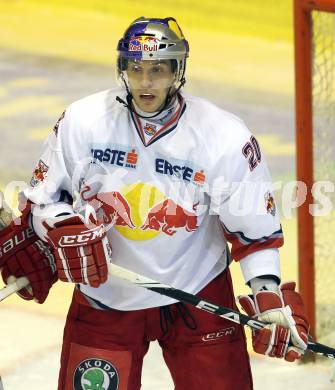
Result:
304,45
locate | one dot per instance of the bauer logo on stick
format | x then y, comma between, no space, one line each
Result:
95,374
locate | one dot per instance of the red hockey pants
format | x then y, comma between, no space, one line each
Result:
104,349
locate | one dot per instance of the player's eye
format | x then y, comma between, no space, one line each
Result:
135,68
157,69
160,69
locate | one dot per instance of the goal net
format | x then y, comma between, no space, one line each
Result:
323,122
314,22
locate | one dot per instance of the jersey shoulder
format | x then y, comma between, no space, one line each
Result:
94,107
218,126
79,120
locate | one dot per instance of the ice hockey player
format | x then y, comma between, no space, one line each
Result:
158,181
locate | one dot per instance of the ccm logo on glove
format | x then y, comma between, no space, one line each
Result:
82,251
83,238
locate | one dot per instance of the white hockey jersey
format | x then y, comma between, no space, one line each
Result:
175,195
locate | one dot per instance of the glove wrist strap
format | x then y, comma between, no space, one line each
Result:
264,284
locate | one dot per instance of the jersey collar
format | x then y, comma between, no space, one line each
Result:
167,127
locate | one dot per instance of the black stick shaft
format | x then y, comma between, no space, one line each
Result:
205,305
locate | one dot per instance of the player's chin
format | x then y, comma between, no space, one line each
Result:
149,105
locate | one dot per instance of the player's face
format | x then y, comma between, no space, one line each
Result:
149,82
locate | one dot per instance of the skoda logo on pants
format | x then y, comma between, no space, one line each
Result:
95,374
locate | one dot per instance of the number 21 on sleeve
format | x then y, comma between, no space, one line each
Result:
252,152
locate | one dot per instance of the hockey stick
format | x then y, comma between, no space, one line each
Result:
193,300
205,305
12,288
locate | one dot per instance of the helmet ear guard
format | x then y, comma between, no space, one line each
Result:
122,63
174,66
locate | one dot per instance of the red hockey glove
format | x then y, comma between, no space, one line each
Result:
22,253
82,252
284,311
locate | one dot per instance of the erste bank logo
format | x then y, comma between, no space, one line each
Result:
180,169
118,155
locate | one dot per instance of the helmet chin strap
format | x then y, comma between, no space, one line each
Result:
168,99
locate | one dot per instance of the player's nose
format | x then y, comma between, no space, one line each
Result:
146,80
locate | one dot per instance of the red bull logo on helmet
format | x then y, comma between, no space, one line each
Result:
135,44
143,43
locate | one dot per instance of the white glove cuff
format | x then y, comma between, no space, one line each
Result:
43,212
258,284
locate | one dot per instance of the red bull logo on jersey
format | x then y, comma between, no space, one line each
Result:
143,43
117,155
141,211
181,170
39,174
168,216
114,206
